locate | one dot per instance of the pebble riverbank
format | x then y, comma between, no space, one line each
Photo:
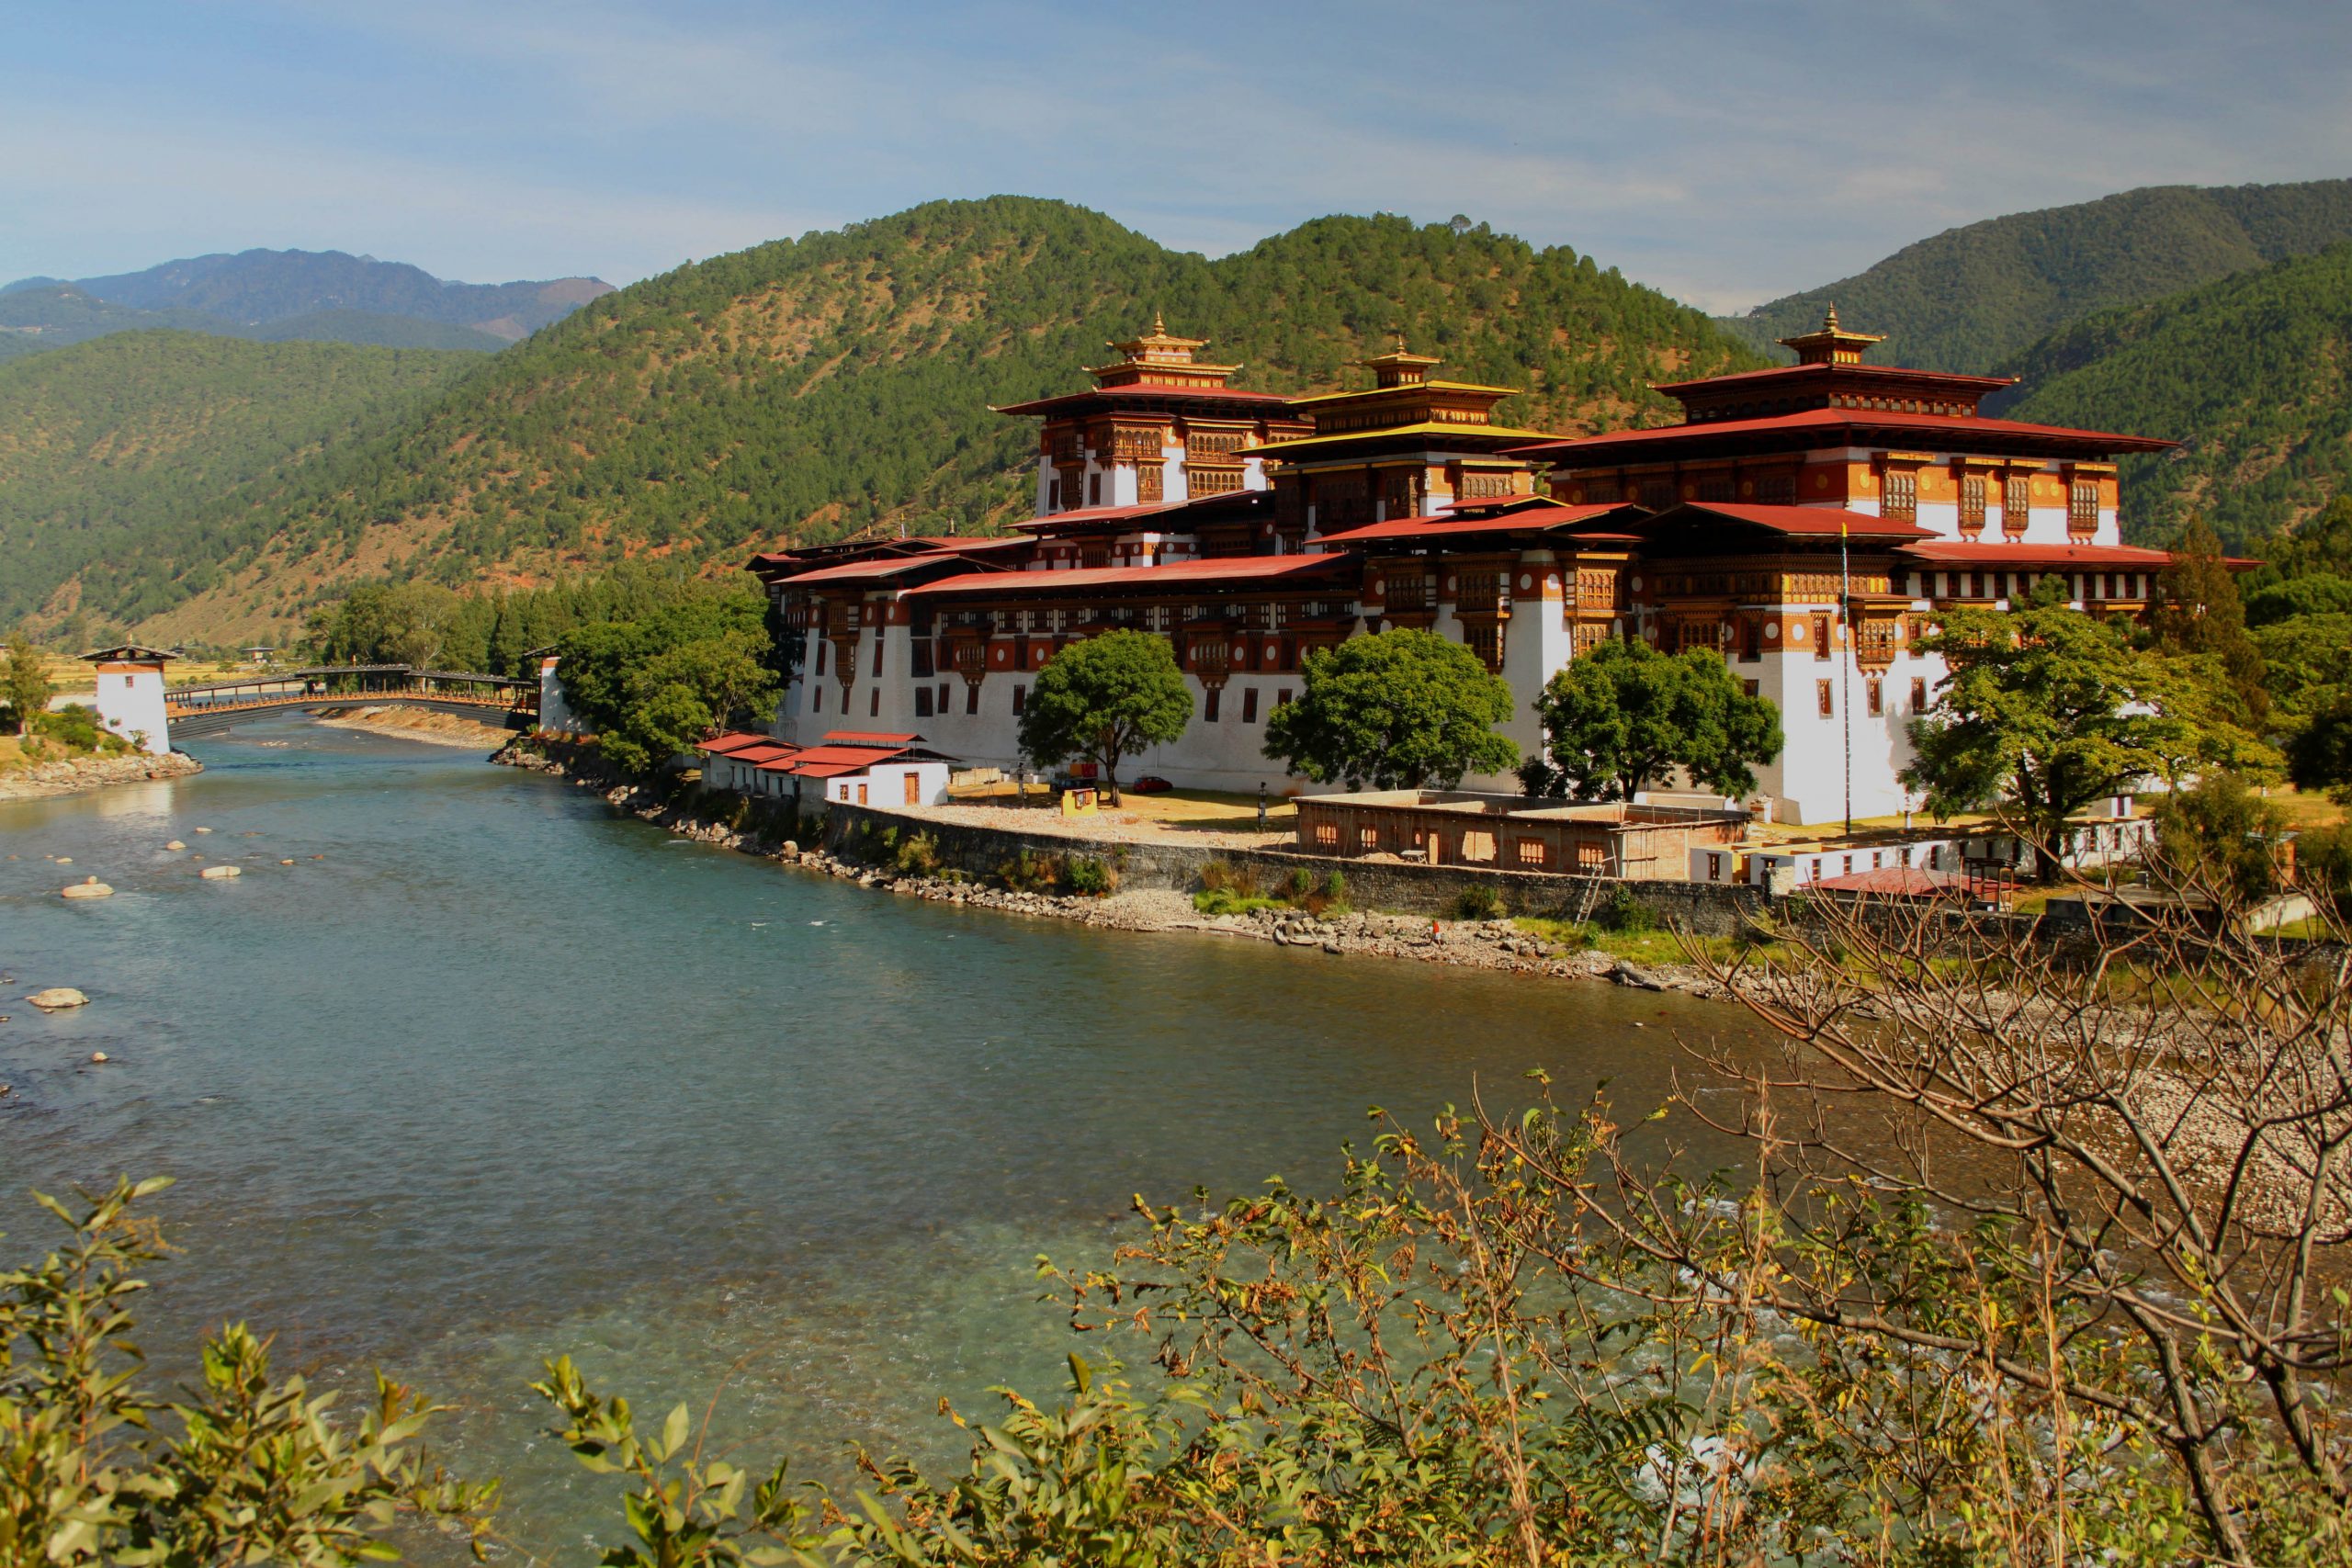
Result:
65,777
1497,944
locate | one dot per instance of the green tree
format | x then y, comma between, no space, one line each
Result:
2319,755
97,1468
1402,709
2220,833
1617,719
2199,612
2048,710
27,681
1108,697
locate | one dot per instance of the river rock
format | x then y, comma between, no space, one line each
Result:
176,844
57,998
204,830
100,1056
1628,972
88,887
217,873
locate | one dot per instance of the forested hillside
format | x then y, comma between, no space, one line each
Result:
114,454
807,388
2250,372
1972,297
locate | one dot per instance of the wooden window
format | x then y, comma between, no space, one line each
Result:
1478,846
1821,638
1918,695
923,701
1715,488
1249,704
1657,493
914,787
1149,479
1715,866
1826,697
1209,705
1751,640
1899,495
2017,505
1777,489
878,650
1972,504
1282,699
1531,854
1327,835
861,791
1019,700
2082,507
942,696
821,648
972,698
1874,690
1752,687
1487,642
1591,858
873,703
816,700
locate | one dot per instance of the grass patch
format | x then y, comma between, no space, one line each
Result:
1226,901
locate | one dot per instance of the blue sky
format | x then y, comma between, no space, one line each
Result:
1725,152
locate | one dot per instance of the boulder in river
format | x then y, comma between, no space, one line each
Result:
88,887
176,844
204,830
58,998
1628,972
219,873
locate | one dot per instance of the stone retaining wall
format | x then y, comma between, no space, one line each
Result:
1402,887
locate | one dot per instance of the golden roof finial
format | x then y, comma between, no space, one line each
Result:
1159,326
1830,321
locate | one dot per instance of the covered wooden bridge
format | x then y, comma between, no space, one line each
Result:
216,706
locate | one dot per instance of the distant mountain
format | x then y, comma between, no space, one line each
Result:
2254,373
112,451
812,387
1972,297
275,295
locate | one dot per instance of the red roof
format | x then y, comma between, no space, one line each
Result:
1822,421
883,570
1135,391
733,742
1799,520
867,738
1979,552
1525,519
1980,384
1088,515
1903,881
1174,574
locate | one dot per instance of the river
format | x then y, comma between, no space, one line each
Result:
490,1074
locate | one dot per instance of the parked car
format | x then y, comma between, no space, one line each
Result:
1151,783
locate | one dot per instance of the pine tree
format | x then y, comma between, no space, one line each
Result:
2202,613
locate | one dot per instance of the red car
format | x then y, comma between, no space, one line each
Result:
1151,783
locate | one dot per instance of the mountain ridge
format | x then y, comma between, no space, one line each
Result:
1970,297
328,296
810,387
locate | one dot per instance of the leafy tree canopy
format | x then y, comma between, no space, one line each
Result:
1110,696
1402,709
2198,610
649,688
24,681
2049,710
1618,718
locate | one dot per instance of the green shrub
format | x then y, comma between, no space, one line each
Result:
1625,913
1031,872
1219,877
75,727
1089,877
1226,901
1480,901
919,855
1302,883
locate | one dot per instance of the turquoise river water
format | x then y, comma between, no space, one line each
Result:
503,1076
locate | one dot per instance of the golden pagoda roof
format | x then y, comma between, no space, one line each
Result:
1831,344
